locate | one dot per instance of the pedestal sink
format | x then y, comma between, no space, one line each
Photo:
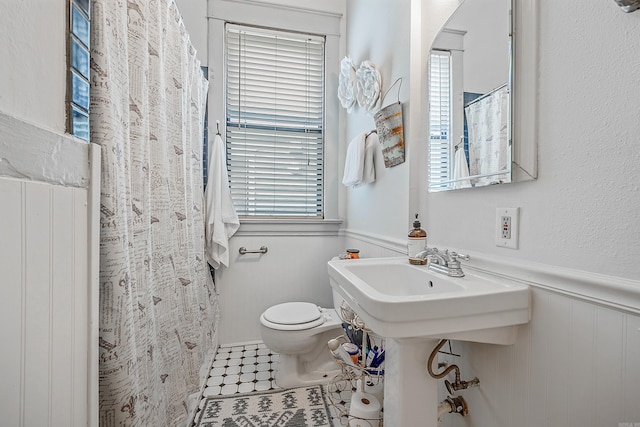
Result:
412,308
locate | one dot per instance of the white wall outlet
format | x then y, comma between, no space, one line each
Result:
507,220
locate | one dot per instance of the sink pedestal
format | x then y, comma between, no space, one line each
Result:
410,394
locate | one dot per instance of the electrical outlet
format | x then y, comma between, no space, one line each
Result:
507,227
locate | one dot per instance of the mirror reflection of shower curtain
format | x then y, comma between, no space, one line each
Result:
488,125
158,307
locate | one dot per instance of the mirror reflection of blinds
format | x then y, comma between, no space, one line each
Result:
274,122
439,118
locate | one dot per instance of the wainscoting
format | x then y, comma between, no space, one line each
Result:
49,198
576,364
44,298
293,269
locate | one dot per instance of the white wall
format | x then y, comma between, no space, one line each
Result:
44,299
577,362
194,17
295,267
48,265
33,66
486,45
378,31
588,153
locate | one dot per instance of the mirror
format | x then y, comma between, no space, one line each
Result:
472,100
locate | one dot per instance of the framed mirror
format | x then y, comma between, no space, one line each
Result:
474,140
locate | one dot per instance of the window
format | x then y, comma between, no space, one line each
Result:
275,122
439,118
78,64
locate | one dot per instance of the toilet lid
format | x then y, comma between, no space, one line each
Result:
292,313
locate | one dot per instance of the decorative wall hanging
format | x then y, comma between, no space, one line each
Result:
369,84
628,6
391,131
347,88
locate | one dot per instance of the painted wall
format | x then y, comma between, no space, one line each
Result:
486,46
588,153
48,269
378,31
588,148
33,66
576,362
294,269
44,296
194,16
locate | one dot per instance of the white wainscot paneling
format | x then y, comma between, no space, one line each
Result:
44,298
575,364
294,269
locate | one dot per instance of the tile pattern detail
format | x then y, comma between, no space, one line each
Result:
242,369
251,368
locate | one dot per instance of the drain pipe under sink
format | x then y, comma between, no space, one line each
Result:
453,405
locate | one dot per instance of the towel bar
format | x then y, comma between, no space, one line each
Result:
262,250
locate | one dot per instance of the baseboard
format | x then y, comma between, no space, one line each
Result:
195,398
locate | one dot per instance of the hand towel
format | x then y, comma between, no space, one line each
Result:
354,162
461,169
221,221
370,149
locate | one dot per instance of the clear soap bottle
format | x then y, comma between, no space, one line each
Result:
417,243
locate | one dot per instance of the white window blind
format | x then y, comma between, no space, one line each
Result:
439,118
274,122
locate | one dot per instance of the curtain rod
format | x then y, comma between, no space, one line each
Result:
480,98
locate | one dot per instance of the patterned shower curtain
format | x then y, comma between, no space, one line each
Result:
488,124
158,308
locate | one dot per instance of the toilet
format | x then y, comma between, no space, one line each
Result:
298,332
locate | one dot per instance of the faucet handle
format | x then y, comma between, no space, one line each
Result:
455,255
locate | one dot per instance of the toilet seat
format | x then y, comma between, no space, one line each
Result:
291,316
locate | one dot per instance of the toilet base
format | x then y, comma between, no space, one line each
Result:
290,374
316,366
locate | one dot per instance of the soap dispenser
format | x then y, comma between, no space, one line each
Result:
417,243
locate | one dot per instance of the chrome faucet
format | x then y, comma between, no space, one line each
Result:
446,262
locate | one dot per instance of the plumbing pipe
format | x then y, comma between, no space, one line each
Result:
446,371
444,407
457,384
453,405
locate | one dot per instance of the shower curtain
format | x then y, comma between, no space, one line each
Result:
489,151
158,308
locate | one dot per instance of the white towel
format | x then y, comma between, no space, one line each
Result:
354,163
461,169
221,219
370,148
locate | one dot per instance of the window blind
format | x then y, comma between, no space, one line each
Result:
274,122
439,118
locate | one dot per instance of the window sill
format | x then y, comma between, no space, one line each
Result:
288,227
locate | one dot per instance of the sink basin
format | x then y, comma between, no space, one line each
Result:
396,299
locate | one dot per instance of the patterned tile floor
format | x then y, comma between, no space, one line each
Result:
250,368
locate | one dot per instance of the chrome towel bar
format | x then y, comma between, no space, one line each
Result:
262,250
